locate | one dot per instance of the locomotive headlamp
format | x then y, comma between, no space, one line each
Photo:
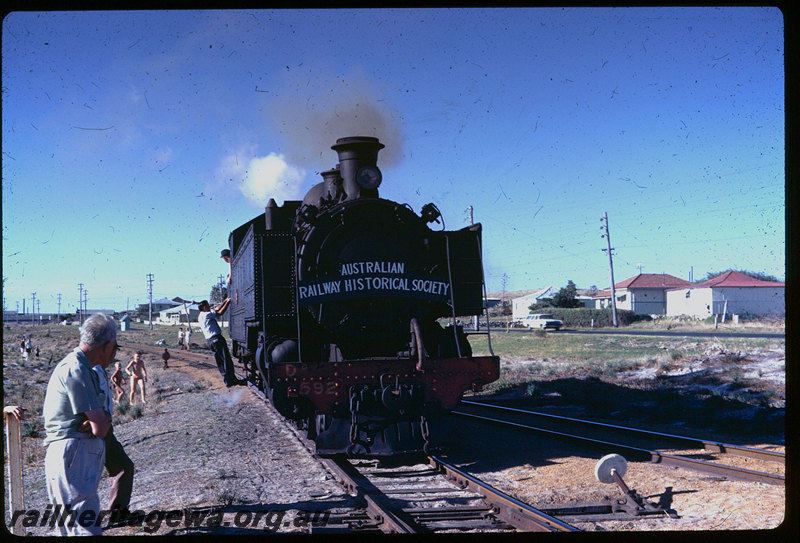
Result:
430,213
368,177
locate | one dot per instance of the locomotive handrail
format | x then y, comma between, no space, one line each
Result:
452,295
297,302
485,303
484,310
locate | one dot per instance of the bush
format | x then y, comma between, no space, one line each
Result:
581,317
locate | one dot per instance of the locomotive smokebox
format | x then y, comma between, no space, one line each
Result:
358,159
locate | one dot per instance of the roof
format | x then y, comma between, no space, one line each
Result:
736,279
179,309
646,280
652,280
536,294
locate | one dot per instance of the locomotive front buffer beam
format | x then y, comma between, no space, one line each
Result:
377,407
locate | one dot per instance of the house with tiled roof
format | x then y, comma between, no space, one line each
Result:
644,294
732,293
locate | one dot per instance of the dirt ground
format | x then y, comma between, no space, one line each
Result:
197,445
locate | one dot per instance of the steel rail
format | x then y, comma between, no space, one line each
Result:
655,457
377,506
714,446
511,510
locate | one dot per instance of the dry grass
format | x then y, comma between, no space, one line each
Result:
637,361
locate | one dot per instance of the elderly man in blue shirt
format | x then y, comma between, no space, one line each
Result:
76,424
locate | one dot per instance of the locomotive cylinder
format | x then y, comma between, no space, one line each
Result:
354,153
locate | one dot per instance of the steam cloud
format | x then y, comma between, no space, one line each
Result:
272,177
259,178
310,119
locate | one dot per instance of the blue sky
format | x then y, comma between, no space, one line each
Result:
134,142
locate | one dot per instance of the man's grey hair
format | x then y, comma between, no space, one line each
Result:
98,329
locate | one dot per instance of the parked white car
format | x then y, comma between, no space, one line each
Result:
542,321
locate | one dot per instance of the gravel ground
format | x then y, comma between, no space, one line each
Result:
204,448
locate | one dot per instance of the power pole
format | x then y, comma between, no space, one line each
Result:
33,308
59,307
150,293
80,301
39,311
611,267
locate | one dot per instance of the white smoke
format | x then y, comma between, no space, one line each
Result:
310,118
260,178
230,398
272,177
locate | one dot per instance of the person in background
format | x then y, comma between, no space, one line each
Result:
76,424
213,334
165,357
138,373
118,463
118,379
187,340
180,338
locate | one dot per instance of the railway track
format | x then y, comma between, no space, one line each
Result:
436,497
427,497
432,496
743,463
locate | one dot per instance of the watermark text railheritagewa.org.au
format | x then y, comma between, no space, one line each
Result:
150,522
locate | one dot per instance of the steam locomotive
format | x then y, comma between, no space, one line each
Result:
344,312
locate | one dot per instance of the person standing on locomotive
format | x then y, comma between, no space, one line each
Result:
213,334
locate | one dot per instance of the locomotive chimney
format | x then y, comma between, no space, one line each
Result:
358,158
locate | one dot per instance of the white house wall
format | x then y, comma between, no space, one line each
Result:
758,301
704,302
624,299
519,307
695,302
648,301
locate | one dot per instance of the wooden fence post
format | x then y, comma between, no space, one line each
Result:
14,450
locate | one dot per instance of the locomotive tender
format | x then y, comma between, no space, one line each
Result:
335,310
